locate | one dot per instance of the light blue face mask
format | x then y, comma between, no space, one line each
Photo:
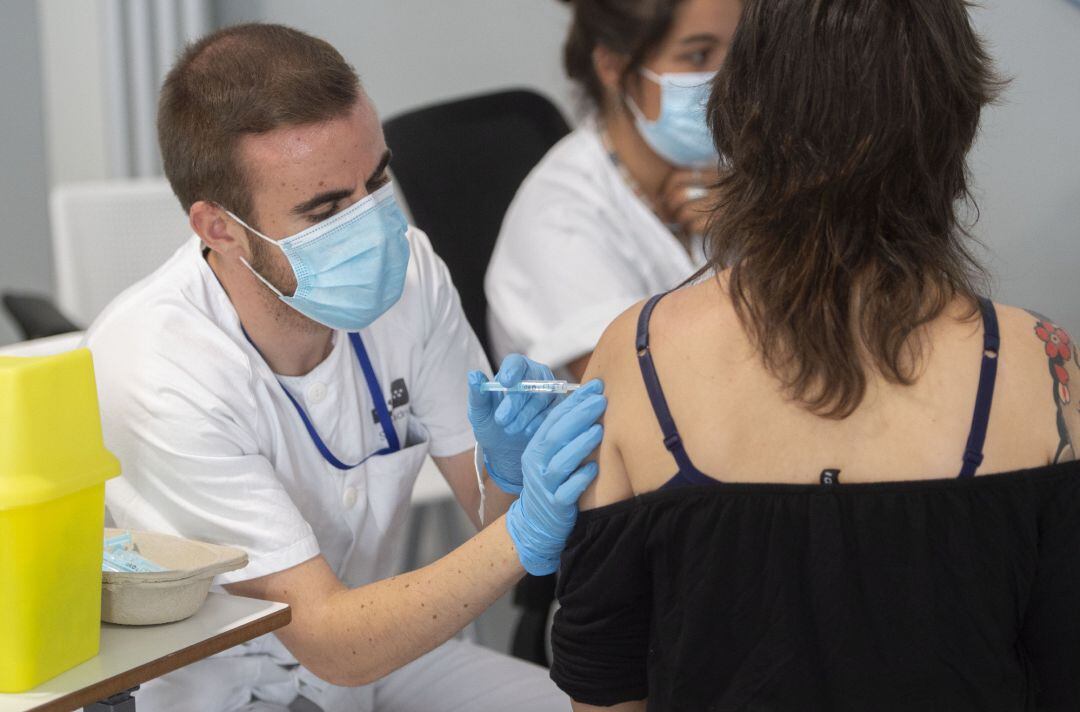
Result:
350,268
680,135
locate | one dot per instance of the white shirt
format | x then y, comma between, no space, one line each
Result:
212,449
576,249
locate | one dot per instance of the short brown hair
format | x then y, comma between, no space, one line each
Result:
244,79
846,126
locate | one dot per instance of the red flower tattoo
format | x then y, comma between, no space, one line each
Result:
1058,344
1059,349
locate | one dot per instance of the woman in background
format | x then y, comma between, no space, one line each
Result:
615,211
833,475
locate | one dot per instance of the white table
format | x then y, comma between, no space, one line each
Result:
131,655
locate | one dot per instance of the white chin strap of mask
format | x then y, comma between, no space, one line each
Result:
247,264
632,105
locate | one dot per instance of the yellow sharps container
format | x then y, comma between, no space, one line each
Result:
53,467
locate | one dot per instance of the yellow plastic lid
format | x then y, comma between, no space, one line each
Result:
50,429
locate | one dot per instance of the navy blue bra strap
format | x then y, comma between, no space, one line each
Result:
672,440
984,398
644,317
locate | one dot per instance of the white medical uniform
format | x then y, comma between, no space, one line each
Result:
211,448
577,248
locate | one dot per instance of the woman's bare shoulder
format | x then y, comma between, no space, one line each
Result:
630,426
616,358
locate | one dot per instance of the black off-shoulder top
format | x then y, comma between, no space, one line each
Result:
953,595
943,595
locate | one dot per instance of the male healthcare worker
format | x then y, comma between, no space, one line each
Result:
277,383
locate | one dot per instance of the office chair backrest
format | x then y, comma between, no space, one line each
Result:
109,235
459,165
35,315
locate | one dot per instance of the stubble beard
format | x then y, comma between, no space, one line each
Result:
280,276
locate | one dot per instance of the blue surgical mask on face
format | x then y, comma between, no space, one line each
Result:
350,268
680,135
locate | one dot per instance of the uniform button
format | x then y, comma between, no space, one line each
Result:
349,497
316,392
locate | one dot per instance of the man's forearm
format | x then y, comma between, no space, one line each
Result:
496,502
368,632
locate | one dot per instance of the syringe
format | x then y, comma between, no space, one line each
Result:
530,387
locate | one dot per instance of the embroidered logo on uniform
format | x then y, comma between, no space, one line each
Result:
399,397
399,394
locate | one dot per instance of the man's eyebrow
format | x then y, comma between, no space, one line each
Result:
332,196
381,168
329,196
703,37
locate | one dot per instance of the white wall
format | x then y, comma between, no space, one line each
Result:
414,52
24,227
74,90
1027,161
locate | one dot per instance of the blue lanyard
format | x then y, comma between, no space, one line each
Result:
393,445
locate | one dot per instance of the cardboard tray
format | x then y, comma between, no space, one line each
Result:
165,596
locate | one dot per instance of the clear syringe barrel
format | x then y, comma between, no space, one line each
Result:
531,387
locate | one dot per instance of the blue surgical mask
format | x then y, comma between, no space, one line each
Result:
350,268
680,135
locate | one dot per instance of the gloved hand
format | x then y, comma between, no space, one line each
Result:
541,519
503,423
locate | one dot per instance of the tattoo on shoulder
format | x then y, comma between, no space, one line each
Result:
1060,351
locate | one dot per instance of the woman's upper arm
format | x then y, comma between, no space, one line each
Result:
613,362
600,638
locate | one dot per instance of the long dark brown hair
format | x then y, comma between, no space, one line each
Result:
845,126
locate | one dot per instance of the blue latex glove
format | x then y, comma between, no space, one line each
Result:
503,423
541,519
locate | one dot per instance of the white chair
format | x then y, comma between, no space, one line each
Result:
109,235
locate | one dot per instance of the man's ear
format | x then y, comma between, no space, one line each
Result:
218,231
